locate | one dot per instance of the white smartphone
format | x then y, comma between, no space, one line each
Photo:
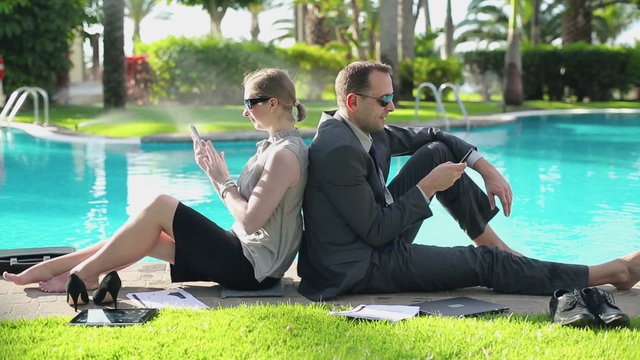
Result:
194,131
464,158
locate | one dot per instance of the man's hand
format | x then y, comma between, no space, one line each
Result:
441,177
496,185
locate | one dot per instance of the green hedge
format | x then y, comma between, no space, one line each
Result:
35,41
210,70
586,70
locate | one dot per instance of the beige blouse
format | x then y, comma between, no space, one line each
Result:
271,249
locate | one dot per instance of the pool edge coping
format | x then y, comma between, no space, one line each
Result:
62,134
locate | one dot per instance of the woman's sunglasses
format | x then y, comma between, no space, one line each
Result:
384,100
248,103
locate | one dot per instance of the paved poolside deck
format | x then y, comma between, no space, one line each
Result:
27,302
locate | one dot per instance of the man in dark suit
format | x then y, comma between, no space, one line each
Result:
359,233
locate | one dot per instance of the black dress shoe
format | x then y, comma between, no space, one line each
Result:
602,305
568,308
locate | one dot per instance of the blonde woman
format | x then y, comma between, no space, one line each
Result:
265,204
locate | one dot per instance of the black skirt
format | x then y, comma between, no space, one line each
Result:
206,252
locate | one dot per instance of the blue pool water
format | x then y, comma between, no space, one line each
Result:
576,183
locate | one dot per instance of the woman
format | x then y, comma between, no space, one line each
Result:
265,204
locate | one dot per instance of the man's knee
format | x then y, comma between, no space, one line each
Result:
436,151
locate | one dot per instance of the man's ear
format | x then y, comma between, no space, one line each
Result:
352,102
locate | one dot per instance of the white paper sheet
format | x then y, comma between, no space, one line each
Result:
173,299
391,313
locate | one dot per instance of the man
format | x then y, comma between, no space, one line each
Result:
359,234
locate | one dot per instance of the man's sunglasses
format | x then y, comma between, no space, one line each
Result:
384,100
248,103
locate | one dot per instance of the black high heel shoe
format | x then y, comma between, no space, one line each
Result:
108,290
76,292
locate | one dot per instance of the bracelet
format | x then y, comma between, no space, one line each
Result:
225,183
226,186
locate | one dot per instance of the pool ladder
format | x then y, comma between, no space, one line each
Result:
437,93
17,99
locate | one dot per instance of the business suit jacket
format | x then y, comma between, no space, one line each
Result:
345,214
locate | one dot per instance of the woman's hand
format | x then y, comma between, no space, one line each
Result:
210,160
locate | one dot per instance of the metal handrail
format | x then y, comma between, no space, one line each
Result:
456,92
439,105
18,97
437,93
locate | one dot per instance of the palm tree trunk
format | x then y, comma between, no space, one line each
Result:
535,23
357,34
576,22
513,61
448,34
216,14
317,32
255,25
389,32
113,80
299,15
406,29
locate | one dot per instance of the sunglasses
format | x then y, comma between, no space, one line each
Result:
384,100
248,103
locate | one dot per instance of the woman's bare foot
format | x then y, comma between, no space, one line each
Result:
56,284
632,264
14,278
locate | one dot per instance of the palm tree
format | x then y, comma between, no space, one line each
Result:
255,10
217,9
113,80
137,10
513,94
611,21
579,18
389,32
448,33
486,22
576,22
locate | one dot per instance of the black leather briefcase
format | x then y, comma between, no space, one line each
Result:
17,260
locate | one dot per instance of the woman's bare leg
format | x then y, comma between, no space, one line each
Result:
52,274
139,237
49,269
623,273
59,282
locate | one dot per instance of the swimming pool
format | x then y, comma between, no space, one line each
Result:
576,183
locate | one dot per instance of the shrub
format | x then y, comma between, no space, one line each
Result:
205,70
35,41
315,67
210,70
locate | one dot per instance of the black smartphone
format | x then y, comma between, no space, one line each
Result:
194,131
464,158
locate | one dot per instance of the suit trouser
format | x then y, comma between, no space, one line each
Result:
413,267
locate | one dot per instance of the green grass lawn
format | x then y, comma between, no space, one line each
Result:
308,332
146,120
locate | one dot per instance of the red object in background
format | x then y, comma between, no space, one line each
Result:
1,67
139,78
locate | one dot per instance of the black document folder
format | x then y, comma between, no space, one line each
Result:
17,260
